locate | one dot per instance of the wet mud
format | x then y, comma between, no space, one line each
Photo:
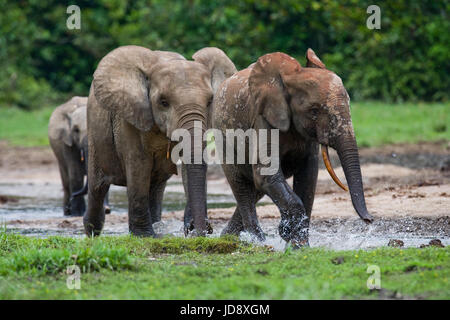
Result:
407,189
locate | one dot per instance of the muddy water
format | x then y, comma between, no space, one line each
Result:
35,209
41,201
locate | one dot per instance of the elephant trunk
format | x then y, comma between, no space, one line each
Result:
195,123
196,196
347,150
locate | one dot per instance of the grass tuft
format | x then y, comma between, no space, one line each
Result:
127,267
52,261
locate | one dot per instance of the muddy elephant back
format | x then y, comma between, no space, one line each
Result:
230,107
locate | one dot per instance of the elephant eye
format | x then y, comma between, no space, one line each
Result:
315,110
76,129
164,102
210,102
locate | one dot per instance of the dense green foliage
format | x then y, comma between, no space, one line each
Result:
42,62
212,268
375,124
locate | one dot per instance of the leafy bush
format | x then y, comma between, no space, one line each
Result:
42,62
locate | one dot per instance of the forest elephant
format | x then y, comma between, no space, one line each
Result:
309,106
68,139
138,97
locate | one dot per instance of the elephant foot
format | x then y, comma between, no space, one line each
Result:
92,229
77,214
299,243
66,210
295,230
73,213
195,233
107,210
77,207
156,219
256,233
189,230
142,231
232,229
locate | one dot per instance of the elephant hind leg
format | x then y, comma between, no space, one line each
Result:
58,150
66,187
235,225
94,217
156,197
244,218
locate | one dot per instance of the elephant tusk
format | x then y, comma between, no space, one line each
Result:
168,150
330,170
82,155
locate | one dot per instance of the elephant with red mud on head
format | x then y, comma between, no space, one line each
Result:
310,107
138,97
67,134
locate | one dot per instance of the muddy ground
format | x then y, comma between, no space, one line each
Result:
407,189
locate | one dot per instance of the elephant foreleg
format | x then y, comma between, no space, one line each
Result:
94,218
305,179
138,189
235,225
156,198
294,225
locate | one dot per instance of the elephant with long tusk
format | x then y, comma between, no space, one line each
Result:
310,107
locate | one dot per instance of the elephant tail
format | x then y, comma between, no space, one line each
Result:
83,191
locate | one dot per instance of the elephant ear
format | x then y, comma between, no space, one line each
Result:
79,101
121,84
313,61
217,62
59,129
268,91
59,123
64,131
169,55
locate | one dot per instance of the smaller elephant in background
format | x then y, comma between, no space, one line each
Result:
67,133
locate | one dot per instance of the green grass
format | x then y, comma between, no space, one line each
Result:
375,123
378,124
25,128
203,268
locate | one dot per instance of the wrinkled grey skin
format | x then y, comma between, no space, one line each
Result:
67,134
137,99
309,106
